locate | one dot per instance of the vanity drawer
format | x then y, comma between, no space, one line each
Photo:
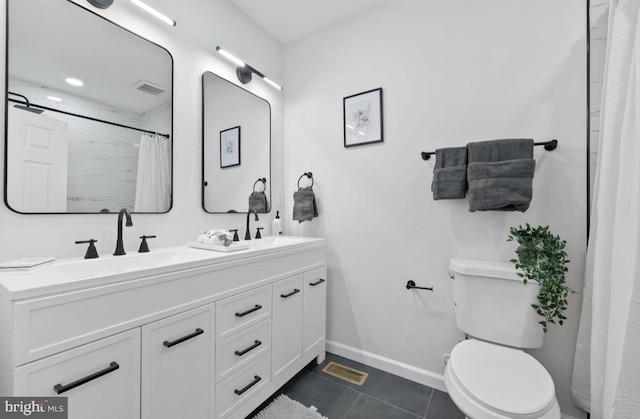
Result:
242,310
243,347
101,379
233,391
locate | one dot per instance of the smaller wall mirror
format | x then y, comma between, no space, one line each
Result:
236,148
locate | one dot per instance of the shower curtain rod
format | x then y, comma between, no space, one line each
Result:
33,105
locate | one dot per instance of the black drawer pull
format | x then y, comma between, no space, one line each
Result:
254,346
251,384
59,388
318,282
182,339
294,292
251,310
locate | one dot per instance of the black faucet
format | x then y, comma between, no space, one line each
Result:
119,246
247,235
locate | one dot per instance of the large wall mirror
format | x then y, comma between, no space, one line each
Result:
236,148
89,113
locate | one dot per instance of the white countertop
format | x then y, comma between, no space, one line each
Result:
72,274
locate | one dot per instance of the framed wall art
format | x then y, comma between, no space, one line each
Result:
230,147
363,118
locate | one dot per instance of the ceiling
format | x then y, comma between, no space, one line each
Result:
290,20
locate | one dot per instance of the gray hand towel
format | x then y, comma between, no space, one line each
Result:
500,175
304,205
258,201
450,173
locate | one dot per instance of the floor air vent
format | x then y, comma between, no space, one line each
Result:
345,373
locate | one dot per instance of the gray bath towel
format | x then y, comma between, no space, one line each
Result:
450,173
304,205
258,201
500,175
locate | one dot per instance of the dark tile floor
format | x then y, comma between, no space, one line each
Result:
383,395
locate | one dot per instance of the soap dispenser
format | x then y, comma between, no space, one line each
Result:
276,226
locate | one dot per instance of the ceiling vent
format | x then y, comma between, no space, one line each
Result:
148,87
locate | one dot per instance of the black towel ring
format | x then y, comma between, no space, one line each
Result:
307,174
263,180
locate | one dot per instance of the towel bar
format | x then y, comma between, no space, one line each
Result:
548,145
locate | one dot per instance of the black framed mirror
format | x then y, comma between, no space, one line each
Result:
89,113
236,148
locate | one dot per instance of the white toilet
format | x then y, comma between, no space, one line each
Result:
489,376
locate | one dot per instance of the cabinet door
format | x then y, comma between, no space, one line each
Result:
177,366
315,308
287,323
101,379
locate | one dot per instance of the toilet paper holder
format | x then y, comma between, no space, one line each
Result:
412,285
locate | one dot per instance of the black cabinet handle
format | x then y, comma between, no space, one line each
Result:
182,339
318,282
256,378
294,292
251,310
244,351
59,388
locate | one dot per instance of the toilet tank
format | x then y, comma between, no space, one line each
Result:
491,303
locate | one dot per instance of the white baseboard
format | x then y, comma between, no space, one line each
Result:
400,369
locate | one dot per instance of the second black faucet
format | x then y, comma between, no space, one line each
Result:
119,245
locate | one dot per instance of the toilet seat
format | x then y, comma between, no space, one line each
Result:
495,381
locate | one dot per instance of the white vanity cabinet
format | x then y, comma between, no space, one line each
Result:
209,336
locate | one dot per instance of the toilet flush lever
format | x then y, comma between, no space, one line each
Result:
412,285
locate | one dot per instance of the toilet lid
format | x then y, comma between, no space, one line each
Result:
505,379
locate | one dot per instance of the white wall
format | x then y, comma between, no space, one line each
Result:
452,72
40,235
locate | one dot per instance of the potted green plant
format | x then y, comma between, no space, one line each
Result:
541,258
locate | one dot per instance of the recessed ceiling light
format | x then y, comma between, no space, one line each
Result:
54,98
74,82
144,6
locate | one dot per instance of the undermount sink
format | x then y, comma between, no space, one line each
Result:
112,265
109,265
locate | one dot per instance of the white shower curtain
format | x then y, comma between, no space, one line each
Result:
153,187
606,376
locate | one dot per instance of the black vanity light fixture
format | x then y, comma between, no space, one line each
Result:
144,6
101,4
244,71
